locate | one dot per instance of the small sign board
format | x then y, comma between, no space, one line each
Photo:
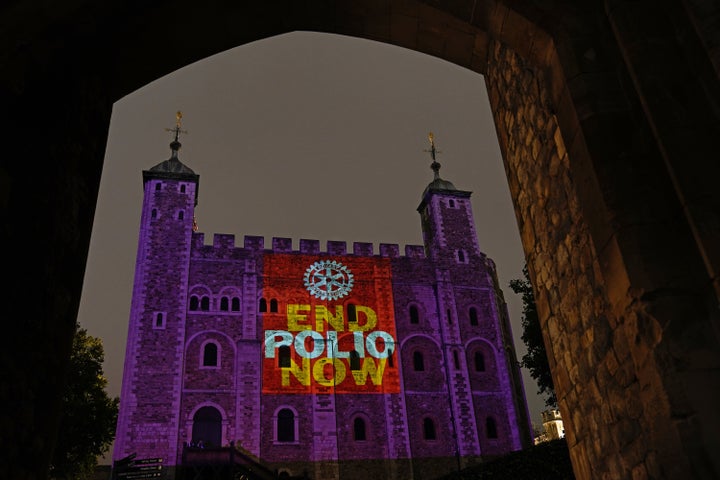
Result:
147,461
139,469
139,475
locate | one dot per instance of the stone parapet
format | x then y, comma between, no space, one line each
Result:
226,242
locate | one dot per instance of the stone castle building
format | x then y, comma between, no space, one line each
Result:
553,424
317,361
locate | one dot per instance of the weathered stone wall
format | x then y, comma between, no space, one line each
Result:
149,413
558,248
604,300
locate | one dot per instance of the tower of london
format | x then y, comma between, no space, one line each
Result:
317,360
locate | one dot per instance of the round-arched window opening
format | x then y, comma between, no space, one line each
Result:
359,432
286,425
210,355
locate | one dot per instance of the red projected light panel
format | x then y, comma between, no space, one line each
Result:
334,328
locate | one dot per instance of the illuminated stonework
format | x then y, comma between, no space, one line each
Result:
318,361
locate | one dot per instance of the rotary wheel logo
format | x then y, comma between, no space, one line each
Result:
328,280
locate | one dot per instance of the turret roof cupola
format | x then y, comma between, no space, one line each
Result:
173,164
446,218
173,168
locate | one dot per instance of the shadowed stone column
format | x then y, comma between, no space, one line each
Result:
617,274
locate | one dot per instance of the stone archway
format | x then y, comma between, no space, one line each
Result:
605,117
207,427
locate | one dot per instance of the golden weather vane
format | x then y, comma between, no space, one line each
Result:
432,150
435,166
178,122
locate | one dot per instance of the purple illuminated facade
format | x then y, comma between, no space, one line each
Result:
198,354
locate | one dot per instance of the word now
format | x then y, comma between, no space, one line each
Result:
332,372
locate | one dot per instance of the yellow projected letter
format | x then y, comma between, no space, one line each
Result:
294,316
302,375
338,375
370,369
322,314
370,319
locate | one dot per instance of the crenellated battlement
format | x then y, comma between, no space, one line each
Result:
225,242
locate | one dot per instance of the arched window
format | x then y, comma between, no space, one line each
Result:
194,303
159,320
273,306
491,427
418,362
158,186
285,425
452,203
461,256
205,303
479,362
414,315
235,304
182,188
456,360
210,355
354,360
181,215
224,304
284,357
263,305
153,214
428,429
352,313
207,427
473,316
359,429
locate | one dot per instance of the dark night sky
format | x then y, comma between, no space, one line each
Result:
302,135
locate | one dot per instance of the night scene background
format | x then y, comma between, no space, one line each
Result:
302,135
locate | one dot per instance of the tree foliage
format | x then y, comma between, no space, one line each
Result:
535,360
87,427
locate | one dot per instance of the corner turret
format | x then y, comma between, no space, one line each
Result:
173,168
148,423
446,216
